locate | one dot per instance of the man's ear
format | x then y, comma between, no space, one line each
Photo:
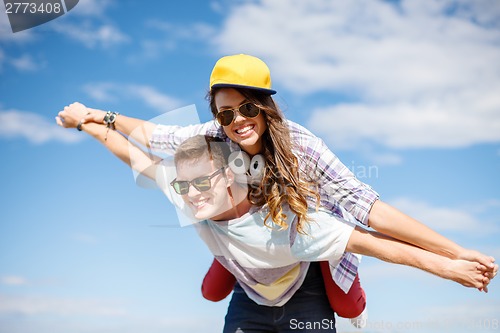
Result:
229,176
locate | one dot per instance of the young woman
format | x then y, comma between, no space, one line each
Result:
301,172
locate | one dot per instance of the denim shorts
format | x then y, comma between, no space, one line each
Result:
307,311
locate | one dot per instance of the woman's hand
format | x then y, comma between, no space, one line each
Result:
72,115
473,255
94,116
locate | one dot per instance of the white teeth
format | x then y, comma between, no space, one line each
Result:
244,129
199,203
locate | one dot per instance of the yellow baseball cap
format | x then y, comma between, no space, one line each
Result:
241,71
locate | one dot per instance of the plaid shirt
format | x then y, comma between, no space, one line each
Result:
340,191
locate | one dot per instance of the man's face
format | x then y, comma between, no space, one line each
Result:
209,204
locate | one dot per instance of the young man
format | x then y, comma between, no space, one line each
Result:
271,265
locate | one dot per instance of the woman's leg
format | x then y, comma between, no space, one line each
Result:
218,282
348,305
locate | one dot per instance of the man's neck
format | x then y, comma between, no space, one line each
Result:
237,211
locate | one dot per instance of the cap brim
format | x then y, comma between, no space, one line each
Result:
229,85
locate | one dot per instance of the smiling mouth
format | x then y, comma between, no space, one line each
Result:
245,129
199,203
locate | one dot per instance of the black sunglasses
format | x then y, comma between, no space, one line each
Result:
202,184
247,110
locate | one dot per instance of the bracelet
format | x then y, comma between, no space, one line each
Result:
109,120
80,123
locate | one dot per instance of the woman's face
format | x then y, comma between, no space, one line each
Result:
247,132
210,204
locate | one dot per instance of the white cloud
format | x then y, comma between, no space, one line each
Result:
154,98
492,205
91,27
150,96
437,123
25,63
33,127
421,73
446,218
371,46
13,280
103,91
92,36
92,7
87,25
167,37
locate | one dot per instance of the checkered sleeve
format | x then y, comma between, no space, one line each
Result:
337,184
166,138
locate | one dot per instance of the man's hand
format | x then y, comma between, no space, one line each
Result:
490,268
468,274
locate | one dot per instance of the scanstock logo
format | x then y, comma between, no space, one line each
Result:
26,15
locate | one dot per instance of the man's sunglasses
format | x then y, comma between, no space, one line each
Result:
202,184
247,110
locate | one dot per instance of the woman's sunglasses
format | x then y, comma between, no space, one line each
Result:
247,110
202,184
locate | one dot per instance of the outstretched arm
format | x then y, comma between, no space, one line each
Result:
116,143
140,130
389,221
338,185
467,273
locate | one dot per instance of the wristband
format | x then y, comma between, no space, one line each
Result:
110,118
80,123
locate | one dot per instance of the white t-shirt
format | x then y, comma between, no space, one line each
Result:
270,264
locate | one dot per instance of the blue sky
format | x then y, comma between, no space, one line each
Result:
406,93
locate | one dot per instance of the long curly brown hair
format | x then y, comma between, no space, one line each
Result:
282,184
